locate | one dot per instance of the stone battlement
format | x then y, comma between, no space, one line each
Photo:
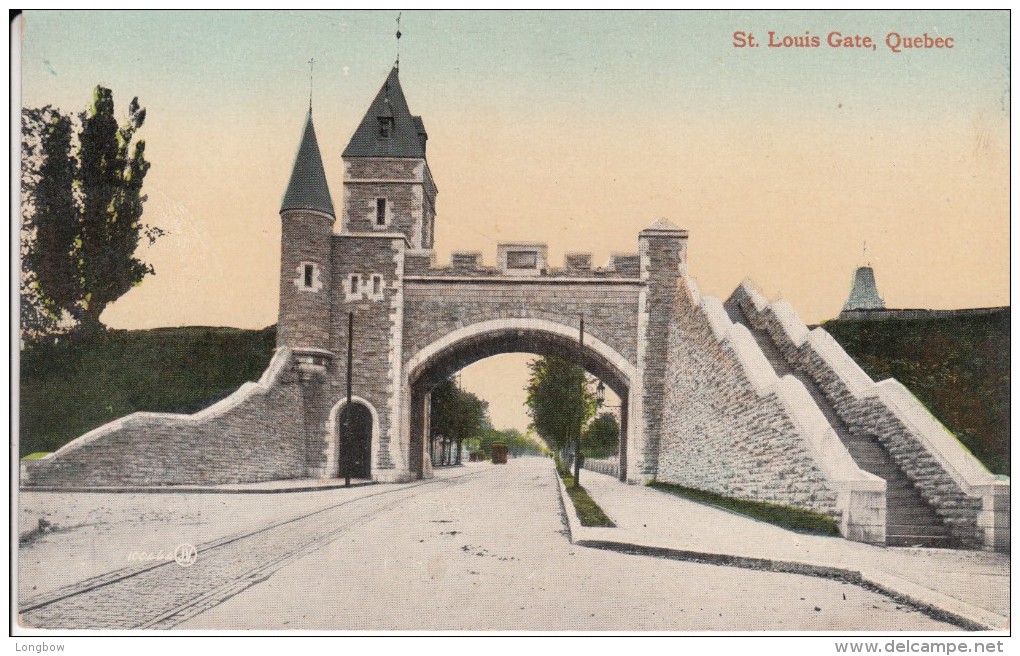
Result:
517,260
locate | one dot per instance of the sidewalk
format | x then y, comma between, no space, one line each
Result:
972,586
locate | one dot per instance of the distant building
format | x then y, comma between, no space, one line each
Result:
864,292
865,303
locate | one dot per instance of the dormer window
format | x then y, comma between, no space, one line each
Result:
385,126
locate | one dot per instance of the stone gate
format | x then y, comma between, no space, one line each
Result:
738,398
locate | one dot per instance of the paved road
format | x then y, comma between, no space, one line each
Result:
480,548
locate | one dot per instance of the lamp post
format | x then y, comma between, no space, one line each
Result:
347,408
600,396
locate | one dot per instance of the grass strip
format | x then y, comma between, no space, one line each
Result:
588,511
794,519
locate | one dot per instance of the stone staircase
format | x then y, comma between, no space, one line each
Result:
910,519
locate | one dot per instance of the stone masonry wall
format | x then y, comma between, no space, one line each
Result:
304,312
256,434
966,496
607,466
376,330
408,189
436,308
732,427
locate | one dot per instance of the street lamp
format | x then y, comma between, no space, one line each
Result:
347,408
600,394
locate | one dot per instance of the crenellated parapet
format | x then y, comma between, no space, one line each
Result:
523,260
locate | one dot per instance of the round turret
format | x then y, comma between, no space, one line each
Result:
307,218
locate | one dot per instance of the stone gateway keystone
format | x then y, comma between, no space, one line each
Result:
737,398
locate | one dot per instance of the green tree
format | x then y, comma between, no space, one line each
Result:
82,205
56,217
517,443
558,400
524,443
111,186
601,437
50,221
457,414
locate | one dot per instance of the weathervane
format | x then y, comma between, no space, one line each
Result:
397,65
866,260
311,79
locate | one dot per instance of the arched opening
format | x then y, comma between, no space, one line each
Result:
352,431
453,352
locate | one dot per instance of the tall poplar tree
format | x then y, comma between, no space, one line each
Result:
82,205
50,221
111,184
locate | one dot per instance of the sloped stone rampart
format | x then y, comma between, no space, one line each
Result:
973,503
255,434
733,427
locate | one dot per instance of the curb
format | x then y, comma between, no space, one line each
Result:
935,604
573,521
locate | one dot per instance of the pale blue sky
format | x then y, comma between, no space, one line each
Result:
591,61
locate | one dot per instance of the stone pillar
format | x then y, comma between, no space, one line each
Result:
663,259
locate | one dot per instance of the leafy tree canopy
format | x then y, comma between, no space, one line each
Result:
601,437
559,401
456,413
82,205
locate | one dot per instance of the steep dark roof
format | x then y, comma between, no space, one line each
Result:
407,137
307,189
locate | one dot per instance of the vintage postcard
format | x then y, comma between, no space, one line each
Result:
514,322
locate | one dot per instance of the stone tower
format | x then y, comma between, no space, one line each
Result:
389,210
387,183
307,216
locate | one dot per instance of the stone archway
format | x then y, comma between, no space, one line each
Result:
462,347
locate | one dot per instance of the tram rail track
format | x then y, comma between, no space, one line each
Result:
163,594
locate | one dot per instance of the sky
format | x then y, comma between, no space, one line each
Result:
577,129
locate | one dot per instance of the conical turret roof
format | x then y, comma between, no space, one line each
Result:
404,136
864,292
308,189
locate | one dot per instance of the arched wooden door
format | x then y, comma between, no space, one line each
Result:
355,432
